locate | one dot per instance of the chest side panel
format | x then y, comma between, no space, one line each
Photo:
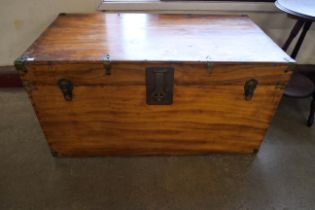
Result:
109,115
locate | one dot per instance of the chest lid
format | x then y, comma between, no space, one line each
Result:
156,38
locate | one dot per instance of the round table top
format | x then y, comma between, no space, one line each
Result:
300,8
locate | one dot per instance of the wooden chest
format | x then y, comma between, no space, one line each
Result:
147,84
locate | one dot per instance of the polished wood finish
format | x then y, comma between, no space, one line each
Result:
108,114
143,37
133,73
114,118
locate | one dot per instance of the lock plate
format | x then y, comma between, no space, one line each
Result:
159,84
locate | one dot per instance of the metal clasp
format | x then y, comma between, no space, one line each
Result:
20,63
66,87
107,65
249,89
280,85
291,67
209,64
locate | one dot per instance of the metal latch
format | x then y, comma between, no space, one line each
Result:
107,65
280,85
20,63
209,64
291,67
249,89
159,85
66,87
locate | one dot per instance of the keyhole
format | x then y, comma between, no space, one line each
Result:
159,96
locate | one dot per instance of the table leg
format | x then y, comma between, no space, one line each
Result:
297,47
310,120
298,25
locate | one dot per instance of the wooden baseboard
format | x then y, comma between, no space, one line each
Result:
10,79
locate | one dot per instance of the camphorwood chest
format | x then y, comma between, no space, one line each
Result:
147,84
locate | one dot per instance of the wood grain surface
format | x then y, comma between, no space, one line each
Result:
212,57
125,73
114,120
154,37
109,114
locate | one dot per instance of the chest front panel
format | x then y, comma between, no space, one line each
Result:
109,114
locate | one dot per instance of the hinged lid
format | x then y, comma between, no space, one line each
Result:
153,37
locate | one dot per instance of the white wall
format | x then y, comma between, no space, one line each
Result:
21,22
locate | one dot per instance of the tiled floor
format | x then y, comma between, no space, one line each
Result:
280,176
